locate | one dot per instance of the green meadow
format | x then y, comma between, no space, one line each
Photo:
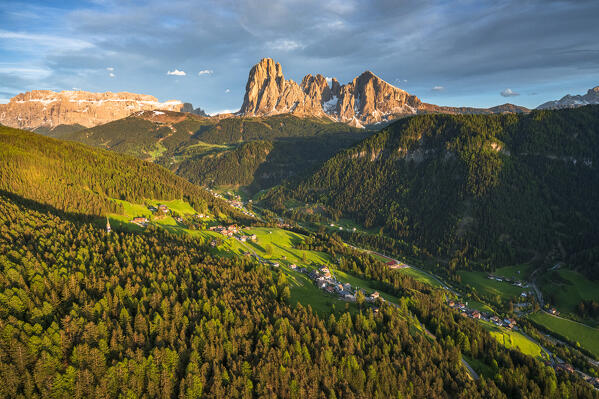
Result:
585,336
517,272
490,289
515,340
567,288
420,276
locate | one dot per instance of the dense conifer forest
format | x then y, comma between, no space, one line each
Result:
77,178
499,188
255,153
85,313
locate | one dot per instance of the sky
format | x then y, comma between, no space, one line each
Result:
458,53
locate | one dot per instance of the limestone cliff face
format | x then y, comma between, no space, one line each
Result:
44,108
365,100
268,93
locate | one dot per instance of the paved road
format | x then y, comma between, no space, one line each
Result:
437,279
471,371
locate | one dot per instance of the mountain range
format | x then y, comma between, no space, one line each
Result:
366,100
569,101
47,110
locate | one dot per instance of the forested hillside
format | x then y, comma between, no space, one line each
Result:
87,314
491,188
253,152
75,178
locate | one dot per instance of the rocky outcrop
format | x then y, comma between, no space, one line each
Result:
267,92
48,109
365,100
568,101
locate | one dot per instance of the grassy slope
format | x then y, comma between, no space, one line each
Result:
586,336
567,288
77,178
421,276
515,340
489,288
519,272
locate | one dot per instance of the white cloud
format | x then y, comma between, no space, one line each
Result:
176,72
224,111
509,93
76,88
54,42
206,72
438,88
110,69
4,100
25,73
111,75
285,45
227,90
329,80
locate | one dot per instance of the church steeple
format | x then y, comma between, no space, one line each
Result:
108,229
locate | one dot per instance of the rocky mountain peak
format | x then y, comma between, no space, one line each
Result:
45,108
366,99
570,101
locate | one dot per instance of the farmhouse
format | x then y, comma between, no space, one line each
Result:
163,208
140,221
326,272
374,296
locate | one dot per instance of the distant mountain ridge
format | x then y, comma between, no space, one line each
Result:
569,101
48,109
366,100
223,150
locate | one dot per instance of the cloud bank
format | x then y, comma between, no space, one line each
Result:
470,46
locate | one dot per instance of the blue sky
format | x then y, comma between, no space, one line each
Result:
460,52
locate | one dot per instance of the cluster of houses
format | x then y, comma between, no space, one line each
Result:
569,369
393,264
161,207
236,202
594,381
324,279
143,221
140,221
229,231
234,231
475,314
516,283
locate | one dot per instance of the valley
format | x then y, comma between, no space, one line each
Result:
326,240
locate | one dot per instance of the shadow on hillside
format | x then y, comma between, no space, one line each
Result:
45,208
293,158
